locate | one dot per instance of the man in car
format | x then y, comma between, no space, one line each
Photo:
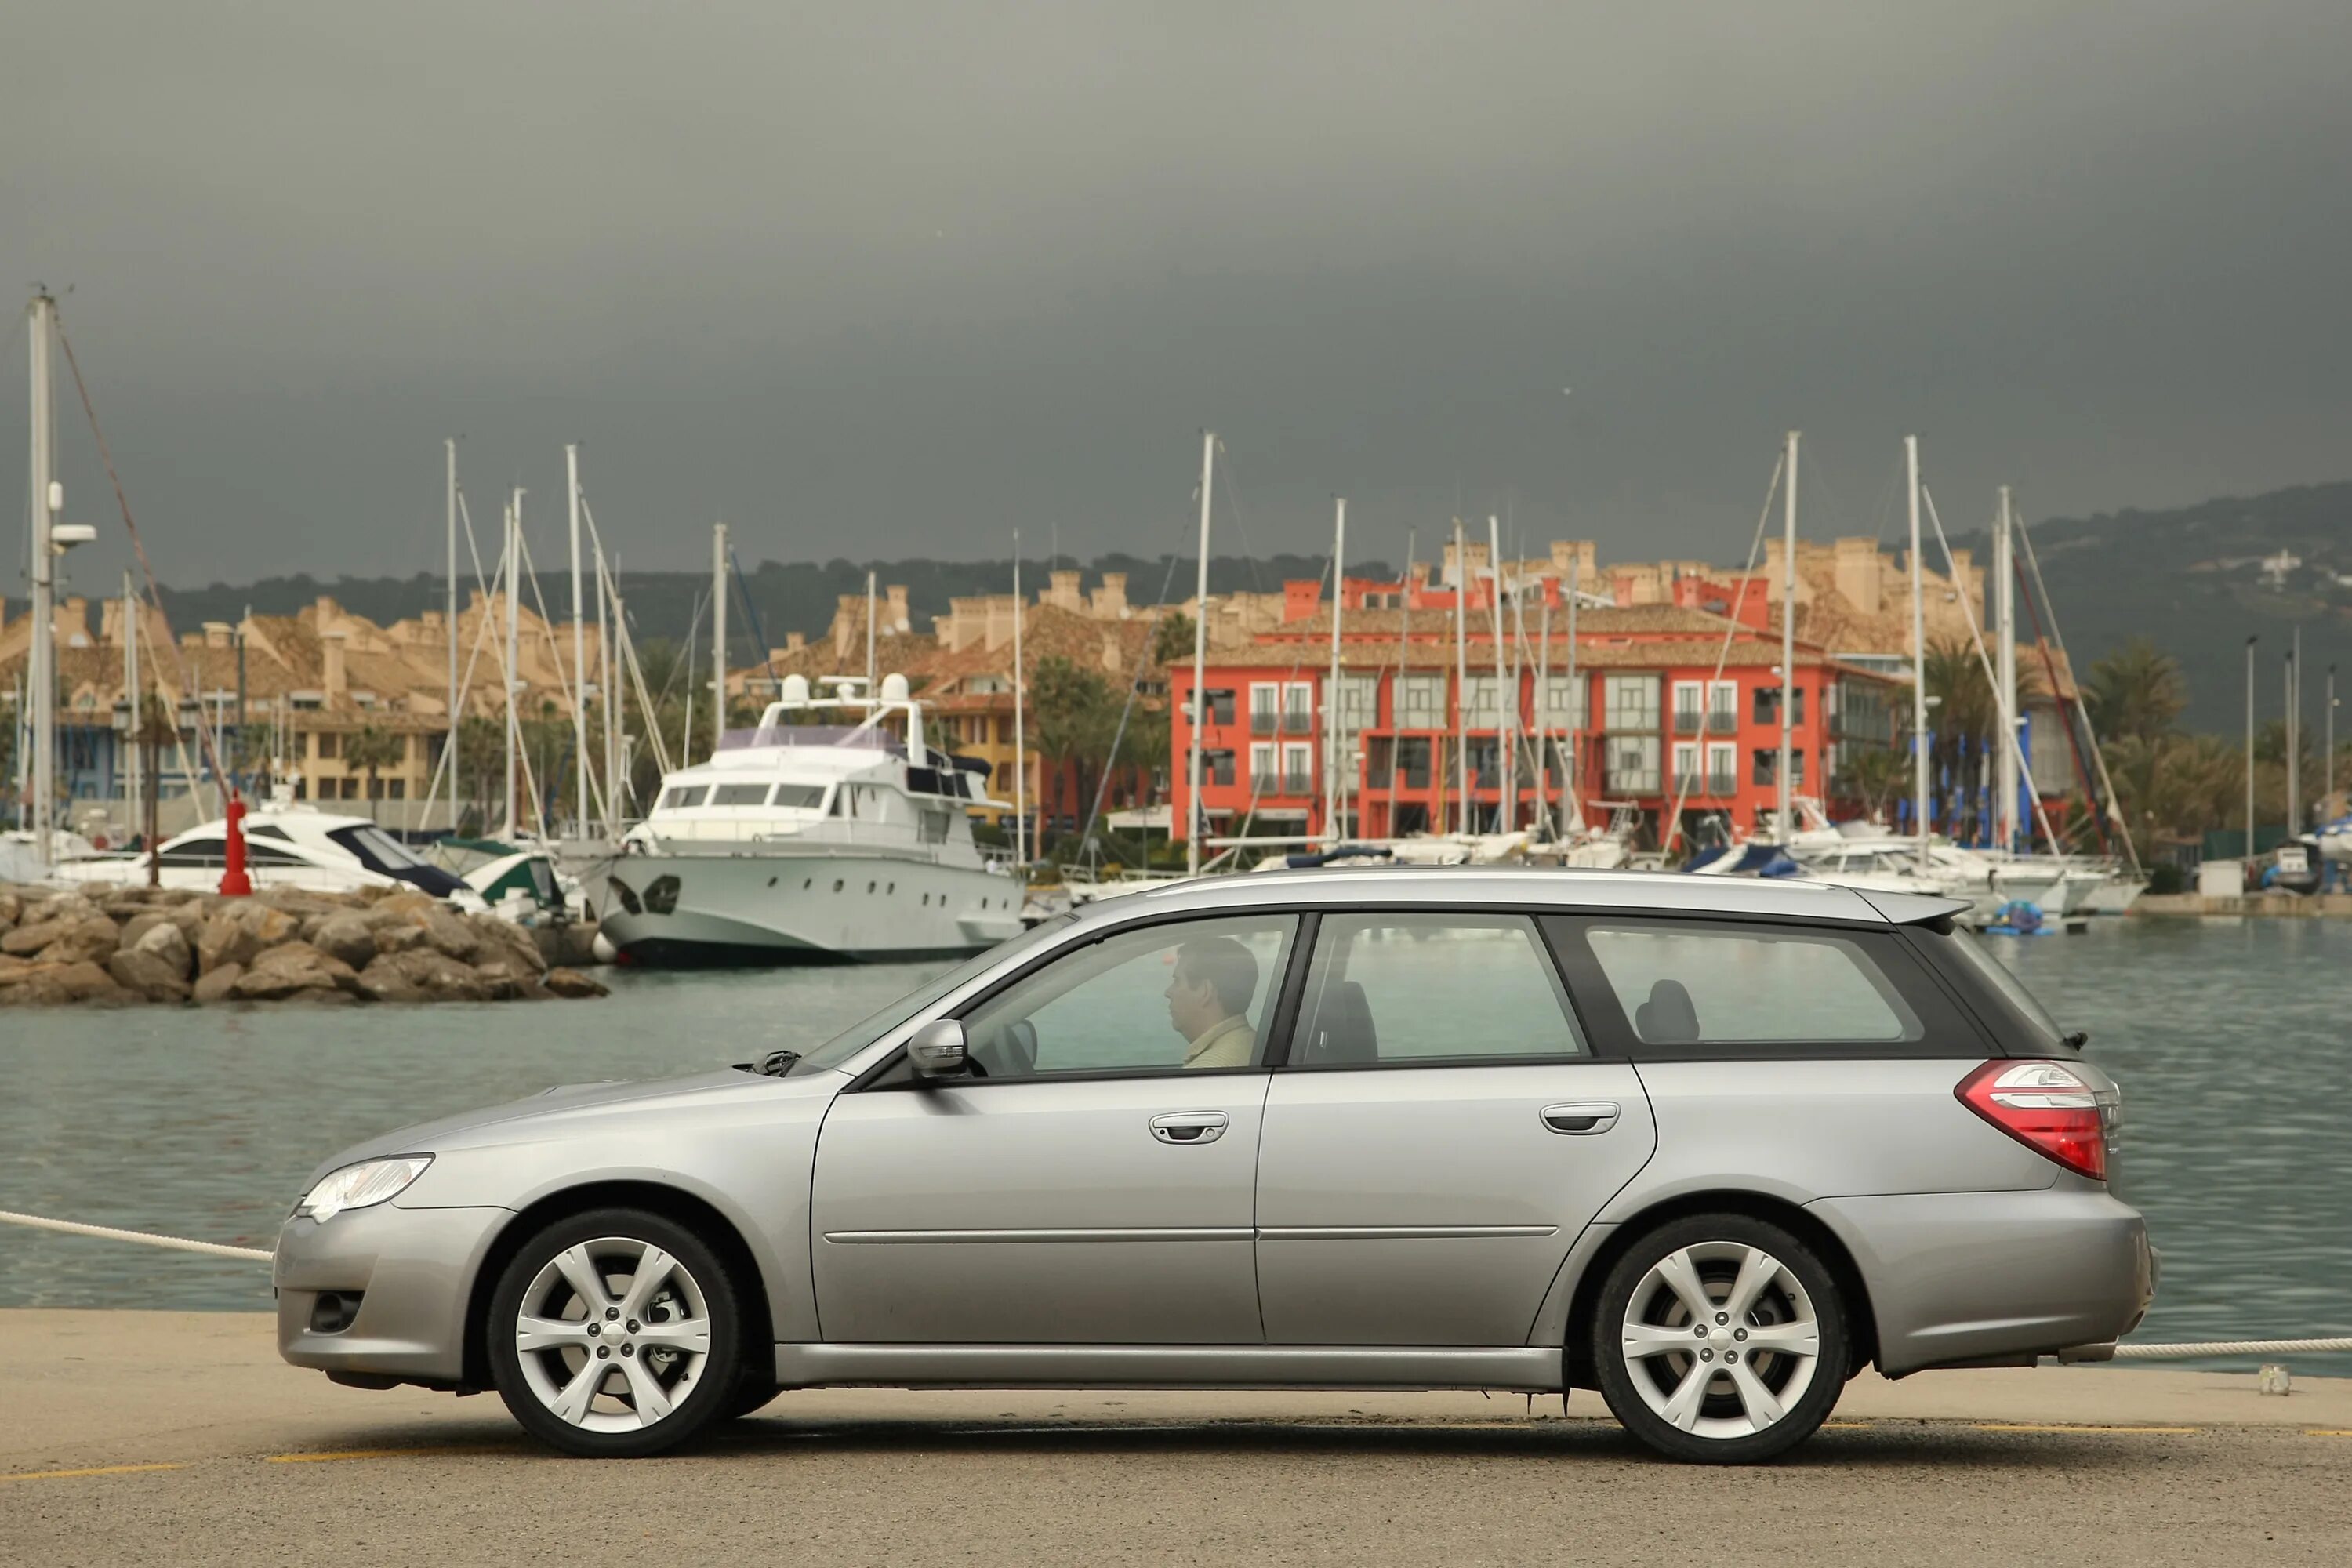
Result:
1208,1001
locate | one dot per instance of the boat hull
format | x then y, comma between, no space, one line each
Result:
704,911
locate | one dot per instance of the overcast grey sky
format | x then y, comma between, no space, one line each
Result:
882,278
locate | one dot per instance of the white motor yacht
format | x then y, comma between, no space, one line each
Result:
799,842
288,843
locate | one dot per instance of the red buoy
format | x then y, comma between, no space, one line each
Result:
234,883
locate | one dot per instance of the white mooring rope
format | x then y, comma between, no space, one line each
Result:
2233,1347
2341,1345
108,1233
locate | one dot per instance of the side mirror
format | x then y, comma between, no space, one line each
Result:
937,1050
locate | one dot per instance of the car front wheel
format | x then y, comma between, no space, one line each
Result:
614,1334
1720,1339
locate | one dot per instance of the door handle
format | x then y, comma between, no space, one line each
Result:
1582,1118
1189,1127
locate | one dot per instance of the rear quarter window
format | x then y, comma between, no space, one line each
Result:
1678,989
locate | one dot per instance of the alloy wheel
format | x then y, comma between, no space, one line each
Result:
1720,1340
612,1335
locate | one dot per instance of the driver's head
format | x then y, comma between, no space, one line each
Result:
1214,979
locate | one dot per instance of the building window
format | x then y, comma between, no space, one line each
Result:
1217,767
1722,768
1262,777
1298,707
1359,702
1630,702
1412,761
1480,696
1767,706
1632,762
1797,764
1266,698
1687,710
1722,707
328,746
1421,702
1298,769
1763,765
1686,757
1566,702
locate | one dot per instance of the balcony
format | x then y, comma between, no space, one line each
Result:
1687,720
1723,721
1263,721
1297,784
1299,721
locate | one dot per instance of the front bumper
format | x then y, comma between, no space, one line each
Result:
1960,1278
414,1272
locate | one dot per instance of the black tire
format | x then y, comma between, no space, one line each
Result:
1720,1403
710,1388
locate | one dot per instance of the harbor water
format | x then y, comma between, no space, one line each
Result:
2228,1036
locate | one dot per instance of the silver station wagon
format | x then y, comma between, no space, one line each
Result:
1710,1147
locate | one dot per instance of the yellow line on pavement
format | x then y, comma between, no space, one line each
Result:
2073,1427
331,1455
75,1475
2325,1432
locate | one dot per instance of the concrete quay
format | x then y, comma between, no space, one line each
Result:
169,1437
2273,905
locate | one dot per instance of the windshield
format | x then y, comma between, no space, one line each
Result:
867,1030
1974,956
383,847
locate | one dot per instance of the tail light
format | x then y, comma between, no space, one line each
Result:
2046,1106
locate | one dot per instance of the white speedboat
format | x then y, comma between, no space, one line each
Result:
799,842
288,843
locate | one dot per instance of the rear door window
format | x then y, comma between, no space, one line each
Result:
1403,990
1691,988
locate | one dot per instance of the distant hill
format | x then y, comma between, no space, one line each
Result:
2193,579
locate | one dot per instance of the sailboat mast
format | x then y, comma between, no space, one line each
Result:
131,780
872,691
1781,819
1461,679
1542,714
717,635
605,691
40,666
514,648
579,651
1506,805
449,455
1194,829
1576,700
1020,726
1334,741
2005,815
1918,657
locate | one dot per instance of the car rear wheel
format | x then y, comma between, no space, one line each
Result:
1720,1339
614,1334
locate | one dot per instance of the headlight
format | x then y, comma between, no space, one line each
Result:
363,1185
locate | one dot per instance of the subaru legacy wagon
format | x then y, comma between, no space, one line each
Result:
1709,1147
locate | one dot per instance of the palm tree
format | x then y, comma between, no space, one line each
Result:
374,749
2136,690
1869,776
1073,717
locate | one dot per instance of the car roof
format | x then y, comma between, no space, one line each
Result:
1534,887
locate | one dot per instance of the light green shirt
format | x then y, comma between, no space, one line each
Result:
1229,1044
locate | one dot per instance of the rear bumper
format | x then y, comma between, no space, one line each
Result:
1962,1277
413,1270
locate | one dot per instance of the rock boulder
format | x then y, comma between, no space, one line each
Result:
165,940
288,968
238,932
216,981
147,977
571,985
88,941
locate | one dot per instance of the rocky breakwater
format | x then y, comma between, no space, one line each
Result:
121,946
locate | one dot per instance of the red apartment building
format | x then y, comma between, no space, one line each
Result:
1642,718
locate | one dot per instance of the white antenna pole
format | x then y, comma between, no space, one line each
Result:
1461,681
1918,655
2250,754
1780,821
2294,733
872,691
717,635
1020,724
48,500
2004,599
1506,791
1200,818
579,652
449,451
1335,739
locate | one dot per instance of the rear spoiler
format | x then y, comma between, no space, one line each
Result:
1912,909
